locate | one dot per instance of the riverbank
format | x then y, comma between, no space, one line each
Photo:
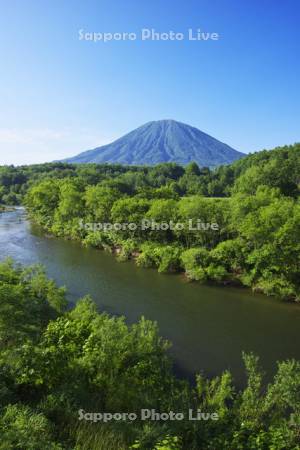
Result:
194,264
208,325
62,392
5,208
255,242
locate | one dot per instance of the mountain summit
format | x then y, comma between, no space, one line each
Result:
162,141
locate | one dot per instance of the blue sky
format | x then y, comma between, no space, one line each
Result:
60,95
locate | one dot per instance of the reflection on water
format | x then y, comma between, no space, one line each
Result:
208,326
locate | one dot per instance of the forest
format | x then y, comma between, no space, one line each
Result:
59,363
278,168
254,202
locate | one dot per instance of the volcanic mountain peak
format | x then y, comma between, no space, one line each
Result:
162,141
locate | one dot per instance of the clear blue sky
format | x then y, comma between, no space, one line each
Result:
60,95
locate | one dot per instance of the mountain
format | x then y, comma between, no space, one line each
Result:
162,141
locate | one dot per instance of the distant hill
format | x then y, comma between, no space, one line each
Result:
162,141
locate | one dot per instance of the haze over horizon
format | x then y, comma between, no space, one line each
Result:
62,95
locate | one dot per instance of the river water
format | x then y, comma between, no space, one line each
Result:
209,327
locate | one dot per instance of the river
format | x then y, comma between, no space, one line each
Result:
208,326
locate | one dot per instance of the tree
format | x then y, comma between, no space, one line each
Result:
99,201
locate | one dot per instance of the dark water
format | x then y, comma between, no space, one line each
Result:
208,326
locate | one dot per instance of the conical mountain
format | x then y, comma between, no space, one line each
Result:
162,141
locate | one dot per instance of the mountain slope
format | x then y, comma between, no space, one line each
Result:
162,141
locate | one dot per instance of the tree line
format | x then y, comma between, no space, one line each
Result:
257,242
278,168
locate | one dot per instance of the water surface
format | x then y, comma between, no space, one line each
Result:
209,326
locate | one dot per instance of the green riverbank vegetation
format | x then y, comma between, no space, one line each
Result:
255,203
57,364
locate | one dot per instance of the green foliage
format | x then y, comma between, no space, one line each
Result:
54,363
256,239
194,261
166,443
99,201
167,258
43,200
126,250
146,258
100,437
28,301
21,427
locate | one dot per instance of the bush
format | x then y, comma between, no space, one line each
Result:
127,248
147,258
20,427
216,273
167,258
194,261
